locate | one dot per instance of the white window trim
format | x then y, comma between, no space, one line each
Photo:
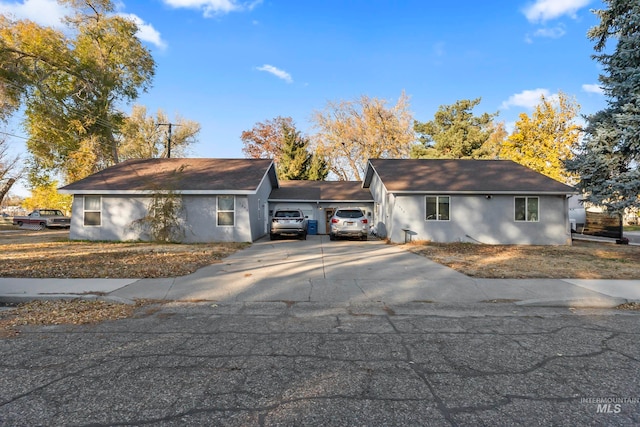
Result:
437,219
85,210
526,209
218,211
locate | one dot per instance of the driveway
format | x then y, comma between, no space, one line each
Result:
319,270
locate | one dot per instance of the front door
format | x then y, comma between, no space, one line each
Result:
329,213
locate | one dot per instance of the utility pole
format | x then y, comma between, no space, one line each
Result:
168,137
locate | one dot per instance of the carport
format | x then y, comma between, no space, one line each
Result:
319,199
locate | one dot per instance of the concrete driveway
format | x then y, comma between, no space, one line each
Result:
319,270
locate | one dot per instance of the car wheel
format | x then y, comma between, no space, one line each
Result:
303,236
272,237
332,237
42,226
19,223
363,238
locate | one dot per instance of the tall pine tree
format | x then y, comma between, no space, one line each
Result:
607,162
295,158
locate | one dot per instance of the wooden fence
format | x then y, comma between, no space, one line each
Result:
603,224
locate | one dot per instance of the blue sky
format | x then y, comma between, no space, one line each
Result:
230,63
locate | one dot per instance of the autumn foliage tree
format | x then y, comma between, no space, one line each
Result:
145,137
265,139
71,84
47,196
544,141
351,132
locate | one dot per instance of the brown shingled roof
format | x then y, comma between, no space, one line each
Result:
462,176
320,191
197,175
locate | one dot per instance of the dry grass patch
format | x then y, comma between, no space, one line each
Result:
65,312
49,254
583,260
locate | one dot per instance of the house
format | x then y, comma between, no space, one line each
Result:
483,201
319,199
222,199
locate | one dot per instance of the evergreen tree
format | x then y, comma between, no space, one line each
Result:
454,133
607,162
295,158
318,169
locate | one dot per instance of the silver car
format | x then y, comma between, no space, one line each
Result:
349,222
288,222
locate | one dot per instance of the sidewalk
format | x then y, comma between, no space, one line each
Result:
339,272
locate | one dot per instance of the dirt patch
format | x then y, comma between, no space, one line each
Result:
50,254
582,260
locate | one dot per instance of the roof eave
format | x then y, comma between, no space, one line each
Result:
485,192
321,201
151,192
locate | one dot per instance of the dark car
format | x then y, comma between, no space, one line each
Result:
349,222
288,222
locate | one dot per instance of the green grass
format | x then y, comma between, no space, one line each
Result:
632,228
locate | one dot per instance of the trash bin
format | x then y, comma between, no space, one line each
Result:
312,227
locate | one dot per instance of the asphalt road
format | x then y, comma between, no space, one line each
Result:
277,363
633,236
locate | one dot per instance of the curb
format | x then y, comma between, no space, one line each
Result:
611,302
24,298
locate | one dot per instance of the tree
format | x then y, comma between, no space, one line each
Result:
265,140
544,141
164,220
318,169
144,137
10,168
351,132
454,133
295,158
608,157
72,82
47,196
278,139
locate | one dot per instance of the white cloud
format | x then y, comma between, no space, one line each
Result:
552,33
44,12
545,10
526,98
593,89
146,32
214,7
281,74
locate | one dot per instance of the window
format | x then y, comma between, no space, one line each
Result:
526,209
92,211
226,210
437,208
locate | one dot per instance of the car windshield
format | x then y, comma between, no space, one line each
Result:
351,213
50,213
287,214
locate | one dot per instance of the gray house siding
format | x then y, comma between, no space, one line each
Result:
259,210
381,210
478,219
117,215
198,220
